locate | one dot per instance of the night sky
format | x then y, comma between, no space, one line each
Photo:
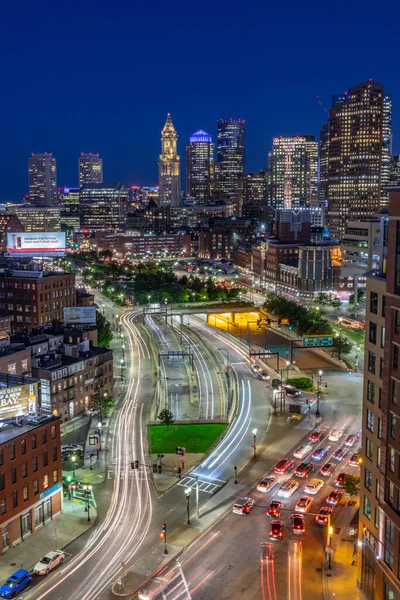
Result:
95,76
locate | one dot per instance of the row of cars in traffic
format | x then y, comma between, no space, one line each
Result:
304,470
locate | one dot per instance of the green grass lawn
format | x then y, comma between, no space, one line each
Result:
355,336
195,438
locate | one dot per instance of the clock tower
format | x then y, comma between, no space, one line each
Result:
169,167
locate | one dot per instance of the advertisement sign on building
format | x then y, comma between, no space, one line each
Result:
80,315
41,243
18,400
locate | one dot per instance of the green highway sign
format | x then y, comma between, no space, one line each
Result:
325,340
315,341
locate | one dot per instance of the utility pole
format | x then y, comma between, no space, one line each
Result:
318,414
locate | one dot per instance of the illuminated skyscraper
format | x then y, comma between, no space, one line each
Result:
293,172
359,155
394,178
90,169
169,167
199,166
42,170
323,165
255,187
229,171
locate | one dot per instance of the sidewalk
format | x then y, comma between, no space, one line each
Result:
55,534
340,581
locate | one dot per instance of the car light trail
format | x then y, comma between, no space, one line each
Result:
128,518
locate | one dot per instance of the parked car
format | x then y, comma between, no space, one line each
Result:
276,383
50,561
16,584
291,390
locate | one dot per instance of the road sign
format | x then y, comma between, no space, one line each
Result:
325,340
315,341
254,445
182,459
123,565
97,446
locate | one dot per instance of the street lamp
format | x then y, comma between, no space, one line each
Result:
148,298
318,414
287,371
358,348
255,443
187,494
87,490
73,459
122,367
330,533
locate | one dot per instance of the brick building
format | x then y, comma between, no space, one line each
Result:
30,477
35,298
70,376
379,531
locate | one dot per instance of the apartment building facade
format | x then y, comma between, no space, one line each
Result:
30,478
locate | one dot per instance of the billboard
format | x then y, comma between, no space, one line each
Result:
80,315
36,243
18,400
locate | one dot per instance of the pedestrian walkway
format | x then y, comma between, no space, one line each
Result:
57,533
340,580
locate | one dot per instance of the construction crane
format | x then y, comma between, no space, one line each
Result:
322,105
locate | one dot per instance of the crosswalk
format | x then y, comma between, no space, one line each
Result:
209,487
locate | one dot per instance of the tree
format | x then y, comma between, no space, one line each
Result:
360,296
342,346
166,417
352,485
104,333
102,402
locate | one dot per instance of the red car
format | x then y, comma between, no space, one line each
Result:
274,509
316,436
284,465
327,469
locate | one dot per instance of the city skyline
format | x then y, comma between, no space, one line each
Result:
125,128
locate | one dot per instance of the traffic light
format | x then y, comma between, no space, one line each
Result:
69,478
350,371
135,464
163,532
279,324
180,450
290,326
